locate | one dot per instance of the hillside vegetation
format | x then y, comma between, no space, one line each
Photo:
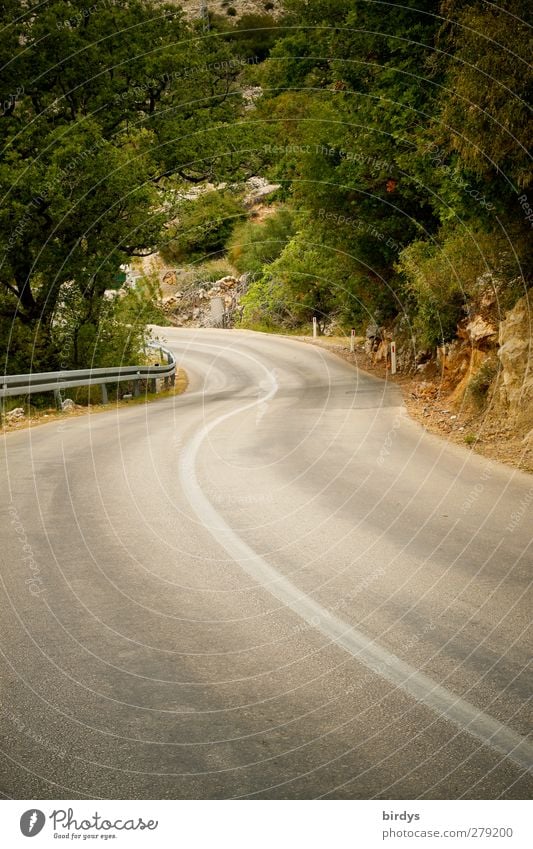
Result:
398,136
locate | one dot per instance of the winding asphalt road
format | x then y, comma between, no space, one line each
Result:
273,586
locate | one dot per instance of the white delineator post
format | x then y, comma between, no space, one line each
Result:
352,340
314,327
393,357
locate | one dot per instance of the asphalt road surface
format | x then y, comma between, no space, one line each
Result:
273,586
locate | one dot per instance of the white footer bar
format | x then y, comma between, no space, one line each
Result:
268,824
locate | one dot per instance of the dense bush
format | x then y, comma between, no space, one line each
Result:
253,245
442,276
25,347
204,226
306,280
255,35
266,306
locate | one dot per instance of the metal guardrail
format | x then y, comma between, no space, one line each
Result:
55,381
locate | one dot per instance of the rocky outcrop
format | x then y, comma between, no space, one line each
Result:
515,353
480,332
169,278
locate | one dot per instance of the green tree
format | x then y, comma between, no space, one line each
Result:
389,129
106,110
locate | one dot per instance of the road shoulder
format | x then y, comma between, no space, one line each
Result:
430,404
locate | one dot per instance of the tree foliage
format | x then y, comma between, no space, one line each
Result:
203,226
400,134
254,244
105,109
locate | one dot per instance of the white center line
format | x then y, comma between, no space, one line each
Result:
446,704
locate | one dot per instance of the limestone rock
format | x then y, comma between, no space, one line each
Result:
227,282
480,330
516,358
169,278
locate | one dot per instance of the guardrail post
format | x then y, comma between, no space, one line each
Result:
136,388
103,390
153,382
57,398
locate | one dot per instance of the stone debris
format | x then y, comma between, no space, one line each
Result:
192,307
15,415
169,278
257,189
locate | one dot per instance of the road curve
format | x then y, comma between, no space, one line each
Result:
273,586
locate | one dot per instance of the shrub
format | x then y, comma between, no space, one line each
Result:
305,281
439,278
253,245
481,382
25,348
266,306
203,227
255,35
212,270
